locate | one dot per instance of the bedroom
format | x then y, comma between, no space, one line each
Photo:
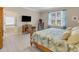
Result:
43,20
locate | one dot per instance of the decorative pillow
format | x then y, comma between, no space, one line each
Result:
66,34
75,28
69,28
75,32
73,39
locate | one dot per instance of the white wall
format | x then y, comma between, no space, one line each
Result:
71,11
44,17
18,12
74,11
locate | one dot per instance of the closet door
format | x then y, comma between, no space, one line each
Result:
1,27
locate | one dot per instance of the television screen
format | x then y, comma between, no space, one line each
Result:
26,18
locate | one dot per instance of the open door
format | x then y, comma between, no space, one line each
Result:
1,27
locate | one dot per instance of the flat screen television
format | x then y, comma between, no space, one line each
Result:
26,18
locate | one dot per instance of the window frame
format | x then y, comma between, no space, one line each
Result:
9,23
64,12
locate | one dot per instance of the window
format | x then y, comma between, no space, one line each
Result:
57,18
9,20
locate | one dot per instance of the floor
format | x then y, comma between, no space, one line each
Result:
17,42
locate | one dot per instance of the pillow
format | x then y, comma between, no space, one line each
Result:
75,28
69,28
73,39
75,32
66,34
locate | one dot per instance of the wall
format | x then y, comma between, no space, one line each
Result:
71,11
44,17
11,14
19,12
8,13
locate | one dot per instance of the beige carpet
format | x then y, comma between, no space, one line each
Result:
15,42
32,49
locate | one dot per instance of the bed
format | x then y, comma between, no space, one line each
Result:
50,40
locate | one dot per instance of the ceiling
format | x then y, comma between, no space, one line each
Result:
38,8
